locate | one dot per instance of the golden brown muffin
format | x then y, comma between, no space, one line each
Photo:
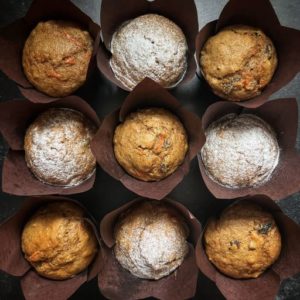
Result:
150,144
149,46
244,241
240,151
238,62
151,240
56,57
57,147
58,242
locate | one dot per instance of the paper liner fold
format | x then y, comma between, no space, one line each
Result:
259,13
285,179
146,94
265,286
117,283
13,37
12,260
116,12
15,117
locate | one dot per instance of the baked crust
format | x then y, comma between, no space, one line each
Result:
238,62
150,144
56,57
149,46
151,240
57,147
244,241
58,242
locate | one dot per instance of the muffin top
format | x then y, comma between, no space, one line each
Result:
150,144
57,147
240,151
244,241
238,62
151,240
56,57
149,46
58,242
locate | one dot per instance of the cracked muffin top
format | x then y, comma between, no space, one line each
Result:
240,151
58,242
149,46
151,239
57,147
56,57
150,144
244,241
238,62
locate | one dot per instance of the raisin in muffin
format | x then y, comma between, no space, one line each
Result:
58,242
57,147
238,62
149,46
150,144
244,241
56,57
151,240
240,151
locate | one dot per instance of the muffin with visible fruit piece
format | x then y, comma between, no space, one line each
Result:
244,241
150,144
238,62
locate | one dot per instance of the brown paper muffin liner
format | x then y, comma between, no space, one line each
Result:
15,117
265,286
285,179
12,260
146,94
259,13
116,12
13,37
117,283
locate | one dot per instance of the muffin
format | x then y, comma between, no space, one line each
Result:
150,240
240,151
149,46
238,62
56,57
150,144
57,147
58,242
244,241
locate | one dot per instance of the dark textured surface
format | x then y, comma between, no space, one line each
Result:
109,194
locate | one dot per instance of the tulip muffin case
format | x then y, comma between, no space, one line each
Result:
194,95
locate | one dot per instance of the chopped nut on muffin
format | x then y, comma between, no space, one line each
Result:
238,62
244,241
151,240
149,46
58,242
57,147
56,57
150,144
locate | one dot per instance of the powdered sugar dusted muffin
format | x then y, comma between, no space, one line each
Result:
56,57
150,144
149,46
240,151
244,241
57,147
238,62
151,239
58,241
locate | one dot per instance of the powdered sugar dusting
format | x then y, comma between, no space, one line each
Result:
151,241
149,46
57,147
240,151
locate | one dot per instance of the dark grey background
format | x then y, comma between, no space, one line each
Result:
108,194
